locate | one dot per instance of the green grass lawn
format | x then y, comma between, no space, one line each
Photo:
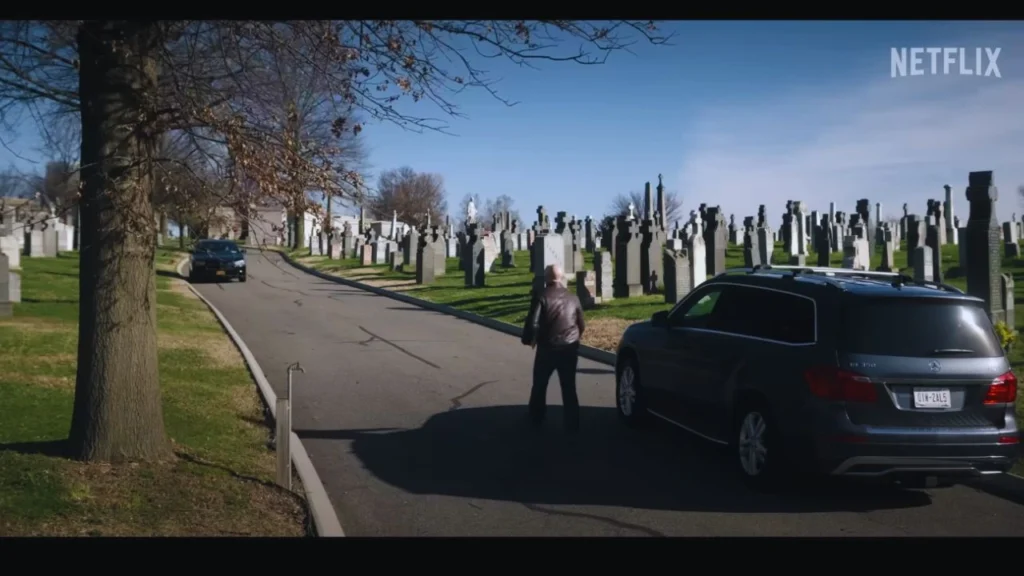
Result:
221,481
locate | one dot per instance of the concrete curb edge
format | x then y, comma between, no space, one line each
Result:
324,517
588,352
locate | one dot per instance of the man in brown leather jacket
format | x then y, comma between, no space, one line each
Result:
554,327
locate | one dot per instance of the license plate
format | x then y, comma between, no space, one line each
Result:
931,398
220,272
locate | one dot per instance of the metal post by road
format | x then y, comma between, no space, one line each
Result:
284,433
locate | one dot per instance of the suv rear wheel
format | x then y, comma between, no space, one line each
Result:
629,400
755,449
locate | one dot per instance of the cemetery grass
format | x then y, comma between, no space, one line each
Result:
506,296
221,481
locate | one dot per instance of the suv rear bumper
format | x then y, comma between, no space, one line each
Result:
900,456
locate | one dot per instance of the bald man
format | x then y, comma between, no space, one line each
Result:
554,327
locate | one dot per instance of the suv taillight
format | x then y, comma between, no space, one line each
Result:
1002,390
832,383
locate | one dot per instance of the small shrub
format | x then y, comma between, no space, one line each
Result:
1007,335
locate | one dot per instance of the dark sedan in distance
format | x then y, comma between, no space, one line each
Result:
216,260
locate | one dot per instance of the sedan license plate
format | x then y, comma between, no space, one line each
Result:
220,272
931,398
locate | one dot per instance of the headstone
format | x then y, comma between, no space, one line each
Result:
951,226
864,210
677,275
425,260
603,273
765,245
10,288
411,250
922,260
984,260
715,241
548,249
652,243
628,282
1008,299
751,249
856,254
367,255
474,259
934,241
1011,245
34,243
823,243
698,261
10,248
586,288
887,251
395,260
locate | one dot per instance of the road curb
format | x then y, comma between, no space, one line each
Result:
588,352
325,519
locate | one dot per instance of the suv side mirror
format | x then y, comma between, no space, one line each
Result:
660,319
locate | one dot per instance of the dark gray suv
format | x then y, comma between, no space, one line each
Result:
825,370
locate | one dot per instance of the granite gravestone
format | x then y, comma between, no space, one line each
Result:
984,252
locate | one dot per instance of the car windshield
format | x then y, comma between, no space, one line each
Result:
926,327
217,247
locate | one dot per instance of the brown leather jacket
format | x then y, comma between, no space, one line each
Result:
555,319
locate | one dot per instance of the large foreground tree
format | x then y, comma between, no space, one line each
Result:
130,82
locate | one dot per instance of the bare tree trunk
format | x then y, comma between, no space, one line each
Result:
163,226
117,412
330,224
300,229
181,230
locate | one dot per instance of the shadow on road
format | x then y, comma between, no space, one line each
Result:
494,453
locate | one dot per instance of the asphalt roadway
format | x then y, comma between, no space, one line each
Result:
415,422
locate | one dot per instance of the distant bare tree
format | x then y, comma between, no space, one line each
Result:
411,194
58,183
13,184
673,205
496,206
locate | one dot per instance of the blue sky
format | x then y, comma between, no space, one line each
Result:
735,114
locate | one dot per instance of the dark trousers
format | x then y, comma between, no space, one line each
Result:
562,360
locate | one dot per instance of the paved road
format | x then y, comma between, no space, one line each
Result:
415,422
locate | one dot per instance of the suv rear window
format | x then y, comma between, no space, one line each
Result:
918,328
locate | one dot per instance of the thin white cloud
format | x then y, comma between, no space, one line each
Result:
891,140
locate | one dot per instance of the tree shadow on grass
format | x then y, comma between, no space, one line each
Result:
169,274
50,300
52,448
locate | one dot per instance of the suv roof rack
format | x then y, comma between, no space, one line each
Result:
896,279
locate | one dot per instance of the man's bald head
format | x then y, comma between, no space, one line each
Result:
553,274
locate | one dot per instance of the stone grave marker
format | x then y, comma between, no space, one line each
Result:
933,240
586,288
475,259
677,275
548,249
984,254
887,244
603,275
751,248
628,282
823,243
698,260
